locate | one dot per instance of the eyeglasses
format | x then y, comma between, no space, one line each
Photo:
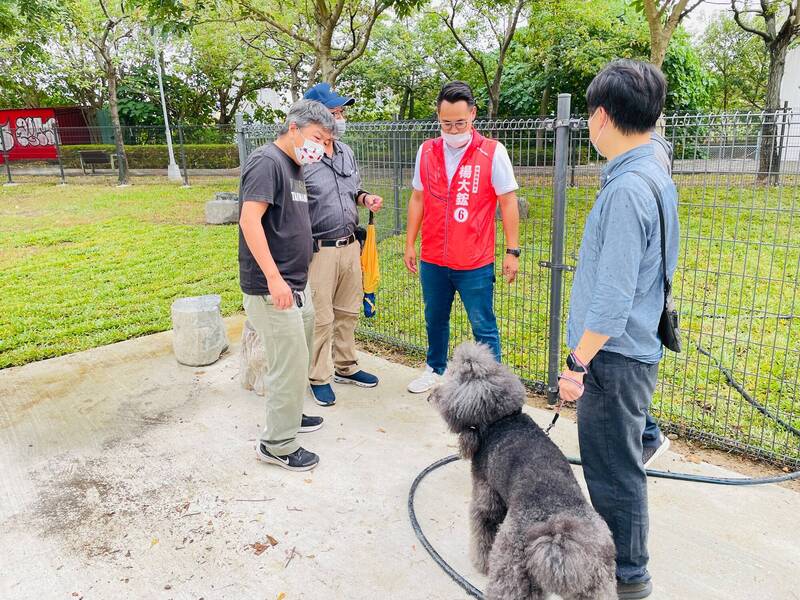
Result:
337,112
459,125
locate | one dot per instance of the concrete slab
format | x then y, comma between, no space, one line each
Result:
126,475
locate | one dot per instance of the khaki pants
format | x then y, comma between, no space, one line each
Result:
288,336
335,280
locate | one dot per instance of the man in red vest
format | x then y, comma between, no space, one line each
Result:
459,179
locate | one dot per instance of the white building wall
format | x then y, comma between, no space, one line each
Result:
790,90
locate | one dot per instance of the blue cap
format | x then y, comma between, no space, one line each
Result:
323,93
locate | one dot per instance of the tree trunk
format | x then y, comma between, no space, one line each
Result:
411,104
403,104
111,75
294,83
89,116
542,113
769,156
224,115
327,70
658,47
494,94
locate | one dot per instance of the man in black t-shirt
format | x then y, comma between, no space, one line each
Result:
275,249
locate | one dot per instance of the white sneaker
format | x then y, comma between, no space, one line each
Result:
425,382
651,453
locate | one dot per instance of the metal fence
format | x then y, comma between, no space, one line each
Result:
736,285
80,151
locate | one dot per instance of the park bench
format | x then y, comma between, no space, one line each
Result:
95,157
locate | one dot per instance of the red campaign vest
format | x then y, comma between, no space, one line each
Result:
458,228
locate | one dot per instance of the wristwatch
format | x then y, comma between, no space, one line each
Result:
573,365
514,251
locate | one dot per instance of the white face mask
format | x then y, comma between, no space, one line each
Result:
457,140
310,152
599,133
341,126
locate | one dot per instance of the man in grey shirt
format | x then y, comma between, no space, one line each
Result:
334,194
615,306
275,248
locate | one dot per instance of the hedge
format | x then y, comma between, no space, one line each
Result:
198,156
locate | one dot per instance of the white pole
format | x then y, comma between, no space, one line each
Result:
173,172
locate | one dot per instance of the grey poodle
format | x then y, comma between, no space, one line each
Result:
533,532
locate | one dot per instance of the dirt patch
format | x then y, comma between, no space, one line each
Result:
93,507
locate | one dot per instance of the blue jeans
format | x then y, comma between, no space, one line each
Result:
611,420
652,434
476,288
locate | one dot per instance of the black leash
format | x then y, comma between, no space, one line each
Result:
555,416
733,481
475,592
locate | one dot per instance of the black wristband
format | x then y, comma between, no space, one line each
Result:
574,366
514,251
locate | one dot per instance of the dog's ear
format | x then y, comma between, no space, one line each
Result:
468,443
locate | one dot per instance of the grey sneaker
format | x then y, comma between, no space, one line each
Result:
651,453
425,382
634,591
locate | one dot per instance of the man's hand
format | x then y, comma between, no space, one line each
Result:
373,202
570,385
510,267
280,292
410,259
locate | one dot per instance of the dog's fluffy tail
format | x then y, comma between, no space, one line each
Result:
572,555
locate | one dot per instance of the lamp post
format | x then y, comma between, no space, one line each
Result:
173,172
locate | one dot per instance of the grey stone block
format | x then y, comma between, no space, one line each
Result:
252,363
226,196
222,212
524,210
199,336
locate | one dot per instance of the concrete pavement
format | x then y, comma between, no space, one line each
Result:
126,475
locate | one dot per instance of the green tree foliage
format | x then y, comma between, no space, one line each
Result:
485,31
26,76
394,79
571,42
326,36
738,66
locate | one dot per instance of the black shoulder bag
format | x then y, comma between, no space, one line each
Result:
668,330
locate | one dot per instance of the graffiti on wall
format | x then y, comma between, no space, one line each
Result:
28,134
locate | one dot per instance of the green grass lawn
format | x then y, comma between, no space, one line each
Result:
91,264
86,265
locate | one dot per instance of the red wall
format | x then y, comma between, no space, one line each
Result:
28,134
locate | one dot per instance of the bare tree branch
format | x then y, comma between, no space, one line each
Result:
738,19
686,12
450,23
262,16
362,46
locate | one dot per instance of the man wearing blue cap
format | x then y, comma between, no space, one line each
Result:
334,194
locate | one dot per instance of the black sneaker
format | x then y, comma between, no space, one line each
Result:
634,591
309,424
651,453
299,460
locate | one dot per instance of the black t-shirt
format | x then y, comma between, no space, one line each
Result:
272,177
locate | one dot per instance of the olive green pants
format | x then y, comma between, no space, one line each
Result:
288,338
